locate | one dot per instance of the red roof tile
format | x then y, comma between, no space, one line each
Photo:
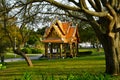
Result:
70,32
65,26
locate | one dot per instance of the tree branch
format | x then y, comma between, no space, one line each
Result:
77,17
112,11
113,2
118,7
104,2
93,5
73,1
98,5
62,6
98,14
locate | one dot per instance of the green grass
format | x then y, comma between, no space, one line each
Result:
45,68
92,64
95,52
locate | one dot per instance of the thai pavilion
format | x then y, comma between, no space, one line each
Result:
61,40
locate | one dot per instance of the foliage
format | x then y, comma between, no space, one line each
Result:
86,33
4,44
83,76
32,40
4,41
89,76
32,50
27,50
2,66
27,76
41,31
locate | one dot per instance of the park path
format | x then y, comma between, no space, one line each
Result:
22,59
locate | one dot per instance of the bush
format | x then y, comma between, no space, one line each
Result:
40,51
32,50
27,50
2,66
36,50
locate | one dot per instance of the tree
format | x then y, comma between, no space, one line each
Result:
33,38
12,32
4,43
104,17
86,33
41,31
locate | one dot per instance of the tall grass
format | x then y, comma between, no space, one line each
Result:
27,76
83,76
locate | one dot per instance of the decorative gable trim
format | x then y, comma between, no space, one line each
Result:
64,30
61,26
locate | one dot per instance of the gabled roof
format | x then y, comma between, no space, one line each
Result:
66,32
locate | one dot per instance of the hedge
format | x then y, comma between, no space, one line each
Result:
31,50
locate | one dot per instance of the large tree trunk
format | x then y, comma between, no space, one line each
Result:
110,43
111,48
112,53
28,60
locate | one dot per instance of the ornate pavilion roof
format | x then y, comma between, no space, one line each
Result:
61,32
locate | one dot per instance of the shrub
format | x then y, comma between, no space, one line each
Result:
39,51
27,50
2,66
32,50
36,51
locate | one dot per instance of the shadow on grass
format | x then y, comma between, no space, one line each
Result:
85,53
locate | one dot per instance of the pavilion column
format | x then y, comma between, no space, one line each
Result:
61,50
51,50
57,51
71,50
65,50
76,49
46,49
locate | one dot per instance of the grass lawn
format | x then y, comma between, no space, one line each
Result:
94,64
